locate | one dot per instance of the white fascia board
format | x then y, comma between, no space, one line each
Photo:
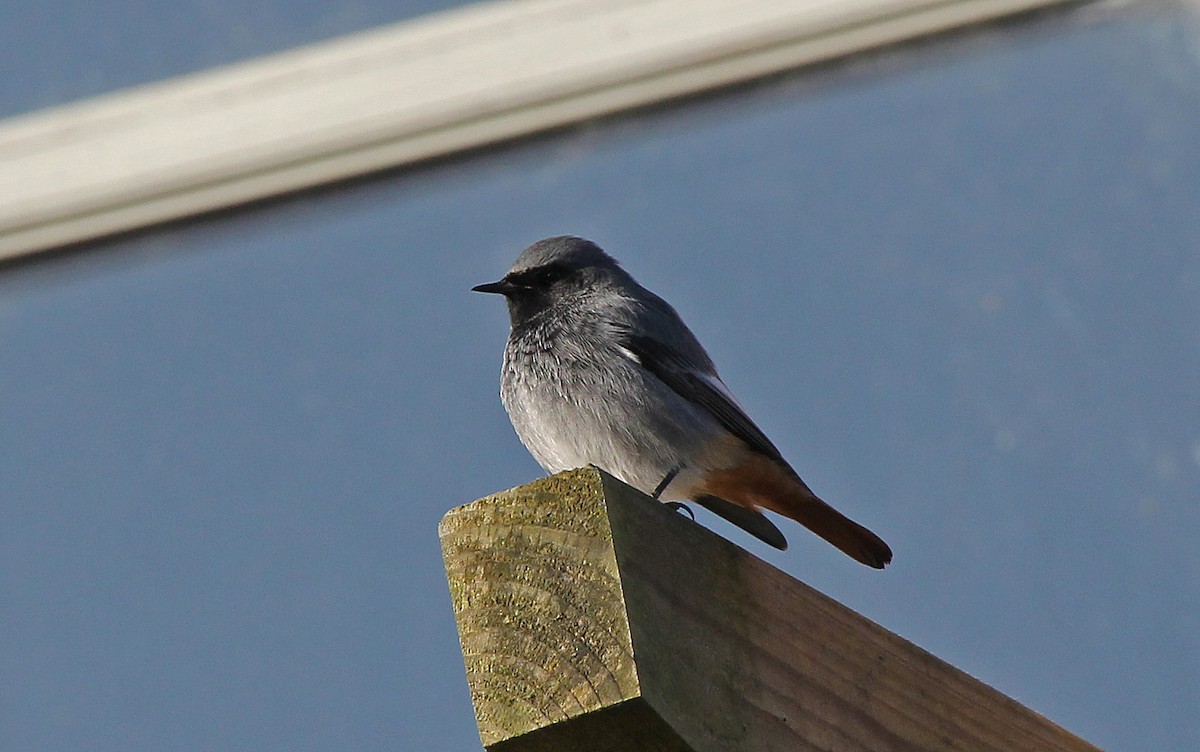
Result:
399,94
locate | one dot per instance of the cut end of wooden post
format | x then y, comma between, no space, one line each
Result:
537,594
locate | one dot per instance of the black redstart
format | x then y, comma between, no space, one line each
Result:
599,370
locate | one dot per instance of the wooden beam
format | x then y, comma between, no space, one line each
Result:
417,90
593,618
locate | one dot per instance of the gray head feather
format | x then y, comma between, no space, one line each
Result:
566,250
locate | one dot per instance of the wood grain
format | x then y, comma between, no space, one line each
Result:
593,618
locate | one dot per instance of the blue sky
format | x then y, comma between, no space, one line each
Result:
958,287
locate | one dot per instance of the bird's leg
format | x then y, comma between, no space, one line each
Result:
674,506
666,481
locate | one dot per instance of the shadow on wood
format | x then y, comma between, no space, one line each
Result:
592,618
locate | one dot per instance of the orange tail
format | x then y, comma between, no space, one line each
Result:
759,481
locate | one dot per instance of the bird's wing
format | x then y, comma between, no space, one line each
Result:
702,387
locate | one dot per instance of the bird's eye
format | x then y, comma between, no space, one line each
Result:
540,277
546,275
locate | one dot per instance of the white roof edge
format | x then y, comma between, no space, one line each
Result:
412,91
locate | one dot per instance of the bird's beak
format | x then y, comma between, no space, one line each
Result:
500,288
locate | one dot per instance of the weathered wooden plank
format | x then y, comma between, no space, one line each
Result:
593,618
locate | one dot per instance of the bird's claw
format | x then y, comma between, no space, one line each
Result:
679,506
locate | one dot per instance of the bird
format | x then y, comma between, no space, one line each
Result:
599,370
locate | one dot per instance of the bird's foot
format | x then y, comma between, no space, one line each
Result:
679,506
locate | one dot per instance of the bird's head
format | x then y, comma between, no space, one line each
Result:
555,272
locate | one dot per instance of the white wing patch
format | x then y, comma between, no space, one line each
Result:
629,354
